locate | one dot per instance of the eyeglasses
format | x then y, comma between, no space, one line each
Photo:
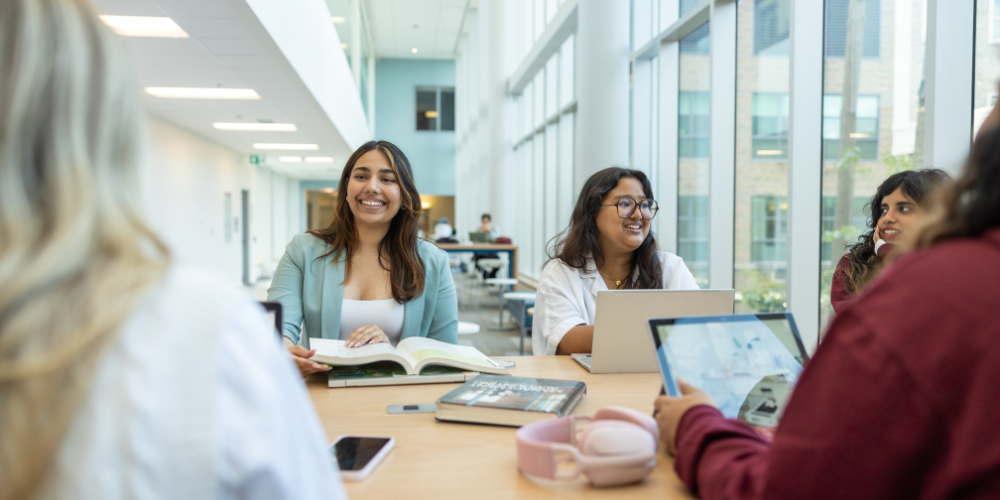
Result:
626,207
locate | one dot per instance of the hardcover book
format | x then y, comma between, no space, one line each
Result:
413,355
511,401
390,373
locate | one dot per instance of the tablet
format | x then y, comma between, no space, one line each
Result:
748,363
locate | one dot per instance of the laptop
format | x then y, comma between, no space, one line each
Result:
479,237
749,363
621,336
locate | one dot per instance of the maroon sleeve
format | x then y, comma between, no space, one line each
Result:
856,427
839,297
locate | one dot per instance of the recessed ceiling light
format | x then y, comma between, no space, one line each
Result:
770,152
338,19
290,159
319,159
207,93
859,135
289,147
414,50
262,127
343,45
154,27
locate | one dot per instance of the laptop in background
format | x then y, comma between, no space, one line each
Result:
621,335
479,237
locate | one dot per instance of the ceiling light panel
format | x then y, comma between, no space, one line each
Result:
287,147
319,159
201,93
257,127
138,26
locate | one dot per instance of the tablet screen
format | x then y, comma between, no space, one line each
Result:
748,363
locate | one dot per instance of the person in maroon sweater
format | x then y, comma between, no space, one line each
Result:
897,208
901,398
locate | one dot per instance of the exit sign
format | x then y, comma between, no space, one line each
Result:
257,159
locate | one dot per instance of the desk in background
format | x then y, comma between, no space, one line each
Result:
438,460
510,250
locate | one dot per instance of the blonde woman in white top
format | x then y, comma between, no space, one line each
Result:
608,246
121,376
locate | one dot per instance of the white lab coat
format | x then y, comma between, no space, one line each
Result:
567,298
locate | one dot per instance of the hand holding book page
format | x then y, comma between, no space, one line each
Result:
413,354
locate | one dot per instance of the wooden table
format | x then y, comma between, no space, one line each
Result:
511,251
439,460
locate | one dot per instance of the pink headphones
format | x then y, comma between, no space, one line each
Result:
618,447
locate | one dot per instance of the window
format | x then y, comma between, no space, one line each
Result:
836,28
692,235
687,5
865,130
769,230
696,42
771,27
995,22
859,221
435,108
692,124
770,125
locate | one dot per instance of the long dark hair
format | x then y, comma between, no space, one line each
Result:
971,206
397,252
863,263
579,240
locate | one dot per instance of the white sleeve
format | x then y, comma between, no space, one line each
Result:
270,441
558,309
676,275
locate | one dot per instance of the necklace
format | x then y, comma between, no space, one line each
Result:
618,282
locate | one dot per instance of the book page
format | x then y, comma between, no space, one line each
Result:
420,348
329,348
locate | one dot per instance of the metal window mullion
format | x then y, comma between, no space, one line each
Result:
949,70
722,141
805,172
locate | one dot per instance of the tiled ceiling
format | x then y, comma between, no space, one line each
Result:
223,51
430,26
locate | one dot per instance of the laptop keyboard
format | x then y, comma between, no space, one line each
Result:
584,360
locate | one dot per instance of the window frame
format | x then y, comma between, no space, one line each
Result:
437,89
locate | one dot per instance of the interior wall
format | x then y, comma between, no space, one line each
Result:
187,185
431,153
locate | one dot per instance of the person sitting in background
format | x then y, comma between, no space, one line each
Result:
607,246
488,227
366,278
122,374
897,209
443,230
899,401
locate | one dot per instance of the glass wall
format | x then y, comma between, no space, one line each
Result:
692,151
987,61
873,114
761,228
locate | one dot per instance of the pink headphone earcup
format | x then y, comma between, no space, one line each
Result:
616,438
629,415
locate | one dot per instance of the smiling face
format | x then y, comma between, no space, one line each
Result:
899,215
615,234
373,191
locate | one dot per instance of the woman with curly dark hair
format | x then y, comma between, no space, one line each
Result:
607,246
896,210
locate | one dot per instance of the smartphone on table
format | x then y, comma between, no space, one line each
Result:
357,456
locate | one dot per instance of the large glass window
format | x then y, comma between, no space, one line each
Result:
987,58
874,73
770,125
693,147
435,108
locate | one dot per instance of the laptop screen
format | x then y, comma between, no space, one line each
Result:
749,363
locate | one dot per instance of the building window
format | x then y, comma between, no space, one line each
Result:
768,229
697,42
687,5
865,129
771,23
435,108
692,235
693,124
770,125
836,28
995,22
859,221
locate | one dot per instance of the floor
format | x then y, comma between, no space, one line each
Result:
489,342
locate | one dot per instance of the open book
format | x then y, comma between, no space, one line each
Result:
413,354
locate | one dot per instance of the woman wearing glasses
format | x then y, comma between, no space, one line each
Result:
608,246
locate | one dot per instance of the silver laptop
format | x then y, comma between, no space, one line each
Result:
621,332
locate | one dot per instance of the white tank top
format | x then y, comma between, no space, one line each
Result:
386,314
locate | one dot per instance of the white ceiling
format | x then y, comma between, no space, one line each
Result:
432,26
224,51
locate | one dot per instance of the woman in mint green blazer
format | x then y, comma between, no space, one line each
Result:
366,278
